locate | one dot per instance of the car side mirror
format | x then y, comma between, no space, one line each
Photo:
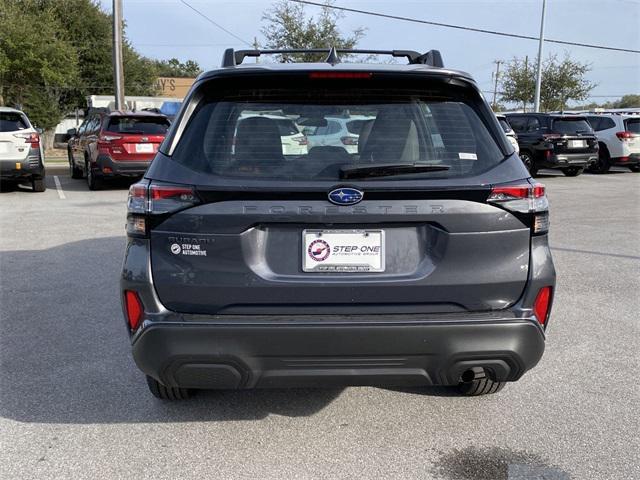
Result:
71,132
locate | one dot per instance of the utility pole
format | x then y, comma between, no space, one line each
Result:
255,47
495,87
118,74
536,104
526,76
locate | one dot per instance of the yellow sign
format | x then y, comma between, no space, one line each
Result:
173,86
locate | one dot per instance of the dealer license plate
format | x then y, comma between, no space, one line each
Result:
343,251
577,143
144,147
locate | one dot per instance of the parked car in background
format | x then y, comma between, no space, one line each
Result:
108,145
338,131
564,142
246,269
292,140
21,157
508,131
619,139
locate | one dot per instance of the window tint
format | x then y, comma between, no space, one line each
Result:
606,123
571,125
407,127
138,125
533,124
632,125
505,125
287,128
355,126
519,124
594,122
12,121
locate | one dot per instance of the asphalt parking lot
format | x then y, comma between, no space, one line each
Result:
73,404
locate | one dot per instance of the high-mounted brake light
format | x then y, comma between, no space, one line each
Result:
541,305
524,198
133,308
343,75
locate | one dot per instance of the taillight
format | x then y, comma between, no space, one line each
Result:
32,138
148,199
526,198
349,140
134,309
624,136
541,305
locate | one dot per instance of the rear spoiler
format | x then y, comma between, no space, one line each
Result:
432,58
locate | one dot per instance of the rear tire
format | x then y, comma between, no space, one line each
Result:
603,164
74,171
38,184
93,182
167,393
572,171
527,160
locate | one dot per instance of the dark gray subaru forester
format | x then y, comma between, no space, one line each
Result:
332,223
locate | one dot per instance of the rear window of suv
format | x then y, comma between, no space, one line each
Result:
11,122
632,125
138,125
407,126
571,125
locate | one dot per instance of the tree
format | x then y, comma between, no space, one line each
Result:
37,63
174,68
627,101
289,27
562,81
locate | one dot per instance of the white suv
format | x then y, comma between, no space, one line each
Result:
619,140
20,150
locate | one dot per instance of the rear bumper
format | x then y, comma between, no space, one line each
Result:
108,167
631,159
22,168
564,160
285,352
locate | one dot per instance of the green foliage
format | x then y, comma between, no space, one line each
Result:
174,68
289,27
55,53
627,101
562,81
37,63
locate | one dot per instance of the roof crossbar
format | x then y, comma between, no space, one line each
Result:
432,58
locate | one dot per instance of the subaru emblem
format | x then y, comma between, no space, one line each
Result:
345,196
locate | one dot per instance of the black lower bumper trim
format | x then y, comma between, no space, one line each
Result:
230,356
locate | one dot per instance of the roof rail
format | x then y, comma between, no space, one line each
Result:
433,58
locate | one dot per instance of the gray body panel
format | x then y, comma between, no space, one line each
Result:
441,255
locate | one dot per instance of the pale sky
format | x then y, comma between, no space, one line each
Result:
167,28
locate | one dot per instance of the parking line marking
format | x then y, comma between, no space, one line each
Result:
59,187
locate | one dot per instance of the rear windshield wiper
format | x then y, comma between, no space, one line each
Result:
388,169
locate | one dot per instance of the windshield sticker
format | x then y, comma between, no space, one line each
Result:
467,156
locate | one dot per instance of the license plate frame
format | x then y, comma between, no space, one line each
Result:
344,260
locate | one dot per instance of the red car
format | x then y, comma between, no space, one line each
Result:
115,144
